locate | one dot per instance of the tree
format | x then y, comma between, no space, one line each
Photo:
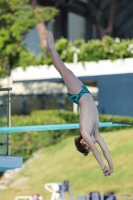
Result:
97,7
17,18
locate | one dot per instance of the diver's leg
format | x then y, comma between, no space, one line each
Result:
72,83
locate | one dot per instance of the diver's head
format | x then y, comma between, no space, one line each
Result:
81,145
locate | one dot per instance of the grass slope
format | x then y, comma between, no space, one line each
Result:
62,162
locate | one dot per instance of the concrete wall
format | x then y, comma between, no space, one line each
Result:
115,94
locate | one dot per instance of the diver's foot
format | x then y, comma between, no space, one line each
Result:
50,42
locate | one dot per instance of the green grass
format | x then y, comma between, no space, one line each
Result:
62,162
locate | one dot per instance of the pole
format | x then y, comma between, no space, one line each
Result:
75,61
9,124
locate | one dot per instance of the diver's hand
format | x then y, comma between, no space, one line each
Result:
50,42
106,171
111,170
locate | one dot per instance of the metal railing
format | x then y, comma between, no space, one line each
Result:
5,102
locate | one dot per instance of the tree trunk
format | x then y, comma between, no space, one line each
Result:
42,31
41,27
109,29
97,9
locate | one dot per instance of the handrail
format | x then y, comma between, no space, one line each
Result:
6,89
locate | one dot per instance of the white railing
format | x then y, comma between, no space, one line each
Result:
26,198
57,190
23,197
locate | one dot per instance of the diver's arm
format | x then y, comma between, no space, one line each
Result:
94,149
105,151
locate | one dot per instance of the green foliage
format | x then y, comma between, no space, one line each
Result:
94,50
17,18
63,46
27,143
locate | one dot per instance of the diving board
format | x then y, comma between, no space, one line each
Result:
15,129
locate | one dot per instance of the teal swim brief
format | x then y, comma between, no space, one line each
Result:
75,97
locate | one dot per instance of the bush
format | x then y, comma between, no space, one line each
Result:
93,50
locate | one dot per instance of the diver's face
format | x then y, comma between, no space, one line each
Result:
84,143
